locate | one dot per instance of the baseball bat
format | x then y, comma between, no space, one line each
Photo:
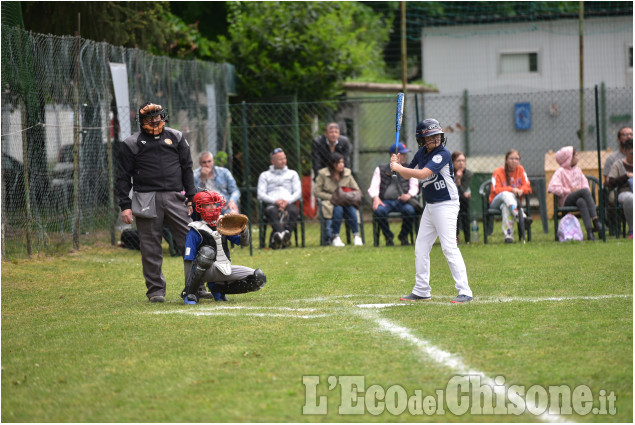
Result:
398,119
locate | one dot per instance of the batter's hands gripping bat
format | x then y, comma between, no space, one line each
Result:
399,117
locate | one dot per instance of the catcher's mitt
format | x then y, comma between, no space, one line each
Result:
232,224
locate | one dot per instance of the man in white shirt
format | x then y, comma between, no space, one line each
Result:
279,188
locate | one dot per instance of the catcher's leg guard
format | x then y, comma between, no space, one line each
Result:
249,284
203,261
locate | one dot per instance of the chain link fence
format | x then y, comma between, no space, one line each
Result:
60,116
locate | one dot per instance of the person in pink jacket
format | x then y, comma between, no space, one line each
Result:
572,189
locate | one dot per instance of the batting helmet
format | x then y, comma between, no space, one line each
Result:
209,205
147,118
426,128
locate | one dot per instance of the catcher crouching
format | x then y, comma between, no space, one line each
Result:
207,255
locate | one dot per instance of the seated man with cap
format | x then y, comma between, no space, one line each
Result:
393,194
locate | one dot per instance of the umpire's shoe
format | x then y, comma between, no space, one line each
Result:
157,299
414,297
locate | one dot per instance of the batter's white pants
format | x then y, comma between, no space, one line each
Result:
439,220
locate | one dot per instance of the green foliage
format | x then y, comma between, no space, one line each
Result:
308,48
185,41
221,159
148,26
129,24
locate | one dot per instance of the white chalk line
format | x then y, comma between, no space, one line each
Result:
493,300
369,312
224,311
448,360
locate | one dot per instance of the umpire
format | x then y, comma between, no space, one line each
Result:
156,164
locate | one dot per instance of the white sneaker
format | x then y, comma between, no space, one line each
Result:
357,241
337,241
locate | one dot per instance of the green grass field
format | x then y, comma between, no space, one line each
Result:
80,342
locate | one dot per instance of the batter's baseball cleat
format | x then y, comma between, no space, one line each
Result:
157,299
414,297
461,299
509,240
190,299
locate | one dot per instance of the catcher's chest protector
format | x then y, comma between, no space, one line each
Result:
212,237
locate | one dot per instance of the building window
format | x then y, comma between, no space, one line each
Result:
519,63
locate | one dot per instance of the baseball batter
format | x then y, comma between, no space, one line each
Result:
433,165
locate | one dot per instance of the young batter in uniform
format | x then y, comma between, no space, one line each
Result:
433,164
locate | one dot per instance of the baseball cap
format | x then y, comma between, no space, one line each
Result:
401,148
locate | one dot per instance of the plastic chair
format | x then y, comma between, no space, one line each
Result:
614,217
559,212
490,213
262,224
397,214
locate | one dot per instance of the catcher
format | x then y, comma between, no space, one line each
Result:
207,255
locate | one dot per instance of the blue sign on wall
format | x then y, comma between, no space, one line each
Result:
522,116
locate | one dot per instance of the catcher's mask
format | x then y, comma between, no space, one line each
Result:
147,118
209,205
426,128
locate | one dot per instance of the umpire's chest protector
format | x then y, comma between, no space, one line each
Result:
157,164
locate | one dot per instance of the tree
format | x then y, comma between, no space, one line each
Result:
148,26
303,48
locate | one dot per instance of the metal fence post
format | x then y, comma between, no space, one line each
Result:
27,197
246,166
603,113
466,118
601,192
296,130
111,183
76,198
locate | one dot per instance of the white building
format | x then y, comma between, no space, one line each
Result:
528,56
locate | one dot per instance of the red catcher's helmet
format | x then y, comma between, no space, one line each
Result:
209,214
147,120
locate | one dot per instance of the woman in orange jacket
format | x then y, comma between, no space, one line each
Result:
508,182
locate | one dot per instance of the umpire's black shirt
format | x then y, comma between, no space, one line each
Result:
154,165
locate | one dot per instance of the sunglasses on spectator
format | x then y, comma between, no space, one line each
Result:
276,150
